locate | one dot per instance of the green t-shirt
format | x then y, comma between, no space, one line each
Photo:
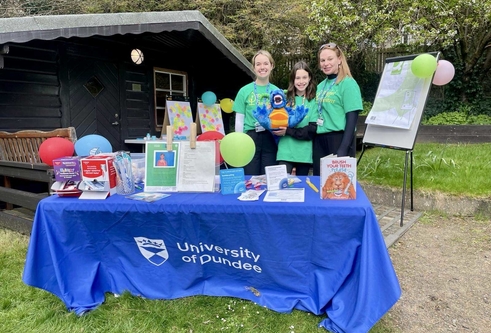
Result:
247,100
337,100
294,150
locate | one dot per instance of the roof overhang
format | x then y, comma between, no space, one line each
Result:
24,29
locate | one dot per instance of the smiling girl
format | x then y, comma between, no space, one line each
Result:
248,99
338,104
295,144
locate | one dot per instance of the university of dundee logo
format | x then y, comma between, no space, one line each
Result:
153,249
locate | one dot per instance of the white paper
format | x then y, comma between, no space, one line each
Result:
251,195
197,167
276,177
286,195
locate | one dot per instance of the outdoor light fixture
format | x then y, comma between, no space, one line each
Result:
4,49
137,56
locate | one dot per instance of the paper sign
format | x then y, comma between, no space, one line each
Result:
276,177
161,165
196,167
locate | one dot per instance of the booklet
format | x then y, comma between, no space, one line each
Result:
147,196
338,177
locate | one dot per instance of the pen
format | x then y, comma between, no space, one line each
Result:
311,185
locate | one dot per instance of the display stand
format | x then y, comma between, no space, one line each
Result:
209,118
405,96
178,115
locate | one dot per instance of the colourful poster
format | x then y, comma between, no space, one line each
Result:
179,116
161,167
210,118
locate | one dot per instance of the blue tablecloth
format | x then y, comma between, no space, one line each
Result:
323,256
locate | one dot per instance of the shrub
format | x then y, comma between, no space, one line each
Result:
458,118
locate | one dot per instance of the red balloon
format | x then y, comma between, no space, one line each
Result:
54,148
213,136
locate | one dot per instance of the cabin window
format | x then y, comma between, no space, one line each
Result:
167,83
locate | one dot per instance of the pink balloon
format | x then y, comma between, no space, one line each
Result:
444,73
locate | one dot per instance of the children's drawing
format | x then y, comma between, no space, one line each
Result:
210,118
180,117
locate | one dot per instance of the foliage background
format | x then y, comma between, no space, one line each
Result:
367,30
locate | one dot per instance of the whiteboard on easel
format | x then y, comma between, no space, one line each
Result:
398,107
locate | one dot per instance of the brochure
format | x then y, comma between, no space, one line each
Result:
276,177
286,195
232,181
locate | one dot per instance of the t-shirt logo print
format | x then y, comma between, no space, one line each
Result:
153,250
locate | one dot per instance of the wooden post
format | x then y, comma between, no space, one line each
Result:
170,137
192,139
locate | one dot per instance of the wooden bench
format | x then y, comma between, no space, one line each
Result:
19,158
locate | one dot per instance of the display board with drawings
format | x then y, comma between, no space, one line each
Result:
178,115
398,107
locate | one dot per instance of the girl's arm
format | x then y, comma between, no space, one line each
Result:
239,122
349,132
303,133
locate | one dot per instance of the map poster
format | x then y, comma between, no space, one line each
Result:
161,167
398,96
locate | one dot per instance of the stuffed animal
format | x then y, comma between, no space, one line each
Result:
278,113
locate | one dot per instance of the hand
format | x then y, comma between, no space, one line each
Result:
342,152
280,131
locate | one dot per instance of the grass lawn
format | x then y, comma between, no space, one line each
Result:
457,169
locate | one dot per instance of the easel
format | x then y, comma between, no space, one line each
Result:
409,157
385,135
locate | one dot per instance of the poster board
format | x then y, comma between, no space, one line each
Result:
161,166
398,107
179,116
209,118
196,171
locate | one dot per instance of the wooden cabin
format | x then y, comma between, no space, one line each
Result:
110,74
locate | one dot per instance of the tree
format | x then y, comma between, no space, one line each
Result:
461,29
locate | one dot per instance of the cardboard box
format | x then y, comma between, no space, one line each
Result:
98,176
67,168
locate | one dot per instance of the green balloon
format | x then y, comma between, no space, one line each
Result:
424,65
237,149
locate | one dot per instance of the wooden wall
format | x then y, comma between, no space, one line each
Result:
30,88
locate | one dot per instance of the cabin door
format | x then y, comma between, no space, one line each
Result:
94,99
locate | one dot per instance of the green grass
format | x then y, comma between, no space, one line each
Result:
457,169
27,309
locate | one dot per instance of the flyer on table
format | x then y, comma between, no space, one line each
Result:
161,167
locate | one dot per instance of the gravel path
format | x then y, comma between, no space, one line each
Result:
444,268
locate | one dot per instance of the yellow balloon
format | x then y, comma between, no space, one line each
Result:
226,104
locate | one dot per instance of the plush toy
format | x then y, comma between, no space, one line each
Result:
278,114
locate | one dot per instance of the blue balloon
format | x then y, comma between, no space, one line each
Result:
92,144
209,98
